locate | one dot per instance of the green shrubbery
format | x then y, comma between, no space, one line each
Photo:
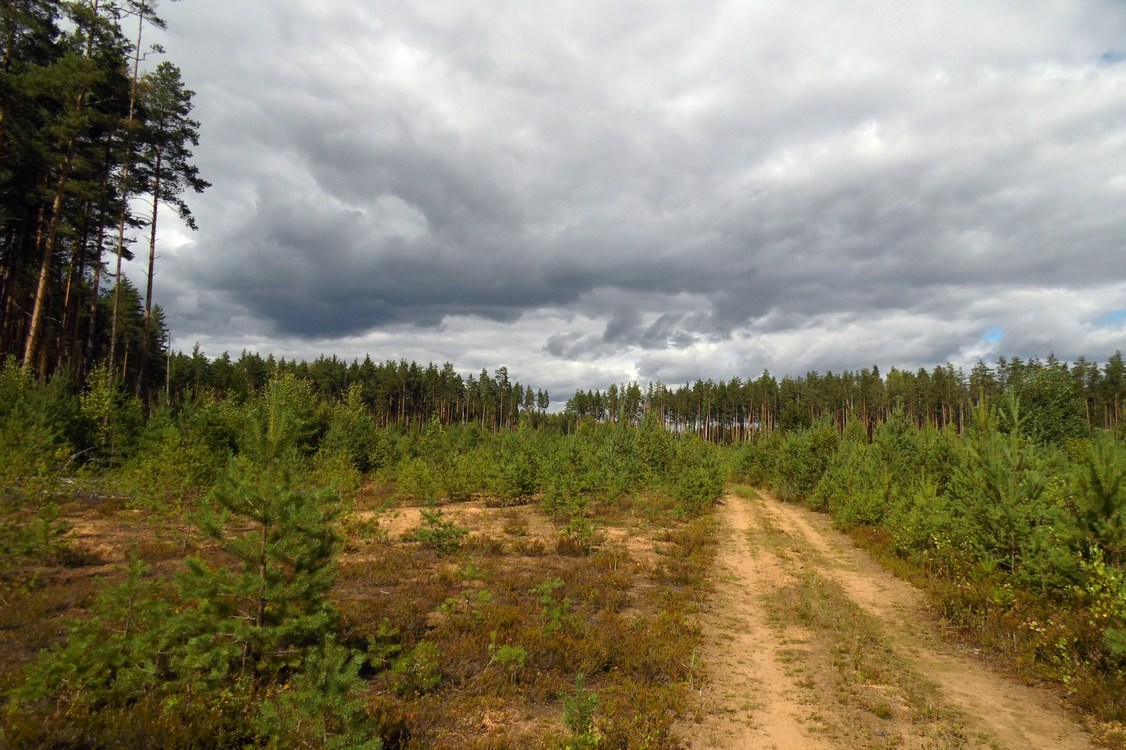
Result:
248,626
38,425
607,464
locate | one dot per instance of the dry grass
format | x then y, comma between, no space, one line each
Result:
473,649
609,614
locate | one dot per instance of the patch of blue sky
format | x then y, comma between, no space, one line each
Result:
1112,56
993,335
1112,318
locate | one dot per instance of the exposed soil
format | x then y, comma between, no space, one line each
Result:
811,644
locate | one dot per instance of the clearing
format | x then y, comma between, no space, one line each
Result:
811,644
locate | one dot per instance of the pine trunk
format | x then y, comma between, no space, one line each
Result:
31,346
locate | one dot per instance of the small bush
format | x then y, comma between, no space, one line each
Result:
417,671
578,716
441,535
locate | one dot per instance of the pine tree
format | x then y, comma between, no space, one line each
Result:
164,167
258,613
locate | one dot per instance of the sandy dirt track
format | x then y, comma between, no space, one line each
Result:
781,677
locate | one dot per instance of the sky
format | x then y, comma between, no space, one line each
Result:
597,192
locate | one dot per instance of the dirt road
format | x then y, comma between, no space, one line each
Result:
810,644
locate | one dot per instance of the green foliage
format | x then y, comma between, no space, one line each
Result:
795,416
802,459
283,422
610,464
432,443
462,476
1052,407
36,424
213,427
169,466
32,532
384,645
115,657
386,449
998,495
321,706
519,462
1104,590
558,614
855,485
697,477
924,528
656,448
578,716
567,477
581,535
1098,481
351,432
272,601
256,617
440,534
113,418
757,459
335,472
509,658
417,671
418,482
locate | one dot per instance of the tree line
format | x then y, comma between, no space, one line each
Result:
1083,395
394,392
92,144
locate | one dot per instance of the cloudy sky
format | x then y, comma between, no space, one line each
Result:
592,192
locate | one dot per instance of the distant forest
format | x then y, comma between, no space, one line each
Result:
1083,395
1076,397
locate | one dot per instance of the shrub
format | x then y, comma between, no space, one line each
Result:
417,482
320,707
757,460
802,459
509,658
36,424
698,479
417,671
1052,407
443,536
856,485
112,417
1098,482
351,431
578,716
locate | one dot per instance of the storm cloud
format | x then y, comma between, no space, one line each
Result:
591,192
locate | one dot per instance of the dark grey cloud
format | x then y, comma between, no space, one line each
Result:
654,190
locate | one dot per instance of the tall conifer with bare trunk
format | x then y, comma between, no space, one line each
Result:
144,10
163,167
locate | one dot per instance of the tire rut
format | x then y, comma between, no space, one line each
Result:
751,699
997,711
